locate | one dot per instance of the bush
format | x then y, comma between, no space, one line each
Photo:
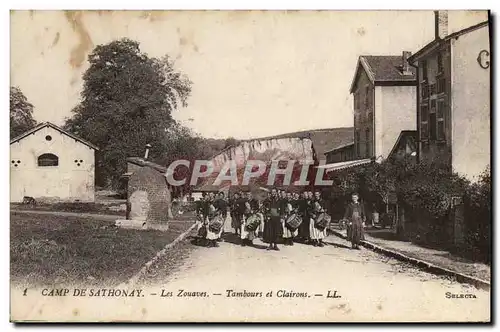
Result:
423,186
426,190
430,187
477,202
479,194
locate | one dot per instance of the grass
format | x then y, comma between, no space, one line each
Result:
68,251
70,207
94,208
161,271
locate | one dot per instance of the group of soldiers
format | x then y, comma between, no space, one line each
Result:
281,217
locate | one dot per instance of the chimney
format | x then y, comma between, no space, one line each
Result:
148,146
406,65
441,23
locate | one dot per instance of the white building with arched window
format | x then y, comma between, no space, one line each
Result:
51,164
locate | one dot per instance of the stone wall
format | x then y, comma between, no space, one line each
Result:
131,167
148,196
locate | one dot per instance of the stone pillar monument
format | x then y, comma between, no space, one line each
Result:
148,200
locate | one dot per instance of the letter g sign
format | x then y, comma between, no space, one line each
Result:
482,59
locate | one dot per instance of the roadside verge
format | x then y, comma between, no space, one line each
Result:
429,267
132,281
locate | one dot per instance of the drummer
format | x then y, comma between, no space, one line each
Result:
272,227
256,206
201,207
247,237
283,194
221,208
318,207
303,210
211,214
235,213
288,209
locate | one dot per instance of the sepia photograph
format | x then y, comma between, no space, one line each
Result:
250,166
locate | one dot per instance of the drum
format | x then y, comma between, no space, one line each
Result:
293,221
252,223
322,221
215,224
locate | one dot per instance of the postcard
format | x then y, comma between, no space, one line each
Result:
250,166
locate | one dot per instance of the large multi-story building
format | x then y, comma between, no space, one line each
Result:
384,90
453,112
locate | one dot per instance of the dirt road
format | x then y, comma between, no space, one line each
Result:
299,283
362,285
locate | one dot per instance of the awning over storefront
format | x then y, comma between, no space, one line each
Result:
345,164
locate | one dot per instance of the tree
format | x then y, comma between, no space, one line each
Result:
478,215
230,141
383,178
126,103
429,186
21,113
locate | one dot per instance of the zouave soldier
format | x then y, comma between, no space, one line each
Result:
272,228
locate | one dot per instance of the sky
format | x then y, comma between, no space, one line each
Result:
254,73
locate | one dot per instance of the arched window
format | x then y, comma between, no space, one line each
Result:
48,159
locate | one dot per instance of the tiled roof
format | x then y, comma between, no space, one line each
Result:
384,70
349,145
388,68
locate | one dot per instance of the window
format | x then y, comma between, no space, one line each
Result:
432,126
48,138
441,83
440,63
432,89
424,70
48,159
440,109
424,122
367,140
424,90
441,134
